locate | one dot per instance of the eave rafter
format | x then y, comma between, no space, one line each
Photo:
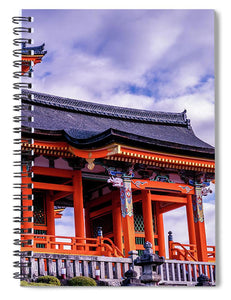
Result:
124,154
48,148
157,159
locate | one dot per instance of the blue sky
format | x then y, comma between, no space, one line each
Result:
151,59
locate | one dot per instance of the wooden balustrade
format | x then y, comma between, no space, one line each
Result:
188,252
71,245
182,251
211,250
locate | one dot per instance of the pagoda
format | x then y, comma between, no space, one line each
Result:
31,56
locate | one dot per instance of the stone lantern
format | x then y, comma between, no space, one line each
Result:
203,280
131,279
149,262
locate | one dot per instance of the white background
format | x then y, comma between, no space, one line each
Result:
9,286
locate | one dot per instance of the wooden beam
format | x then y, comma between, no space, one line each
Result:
52,187
52,172
166,198
136,198
167,160
161,198
100,200
100,212
63,146
170,207
146,184
60,195
96,153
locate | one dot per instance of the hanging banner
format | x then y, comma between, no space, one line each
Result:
198,205
126,198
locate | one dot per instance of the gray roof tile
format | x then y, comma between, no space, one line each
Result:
87,124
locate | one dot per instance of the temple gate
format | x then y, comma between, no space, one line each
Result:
116,180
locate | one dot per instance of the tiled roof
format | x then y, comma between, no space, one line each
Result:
88,125
107,110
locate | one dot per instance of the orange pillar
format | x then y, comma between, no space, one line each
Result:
190,221
147,217
87,222
199,225
78,204
50,215
27,224
127,216
117,222
160,231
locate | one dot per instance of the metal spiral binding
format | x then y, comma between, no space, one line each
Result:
24,154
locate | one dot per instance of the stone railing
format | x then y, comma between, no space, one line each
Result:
178,272
111,270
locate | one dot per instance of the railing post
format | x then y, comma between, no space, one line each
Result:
99,239
170,242
133,255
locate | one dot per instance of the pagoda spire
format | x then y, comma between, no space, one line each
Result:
31,56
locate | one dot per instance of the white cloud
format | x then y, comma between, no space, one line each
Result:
130,100
210,226
97,55
65,225
200,109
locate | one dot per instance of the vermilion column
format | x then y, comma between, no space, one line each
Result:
199,225
147,217
50,213
87,222
78,204
160,231
190,221
27,224
117,222
127,216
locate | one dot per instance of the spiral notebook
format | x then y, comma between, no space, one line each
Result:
115,138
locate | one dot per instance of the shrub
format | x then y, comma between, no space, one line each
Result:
82,281
25,283
51,280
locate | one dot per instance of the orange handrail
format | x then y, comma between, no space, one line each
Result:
178,253
188,254
71,245
211,253
116,250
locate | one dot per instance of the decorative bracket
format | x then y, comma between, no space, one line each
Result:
90,164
